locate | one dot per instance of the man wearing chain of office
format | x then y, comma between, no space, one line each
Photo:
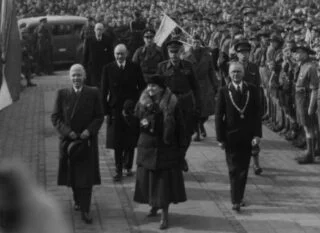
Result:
238,129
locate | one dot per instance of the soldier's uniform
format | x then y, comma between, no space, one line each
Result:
148,57
44,48
306,82
27,58
136,28
180,78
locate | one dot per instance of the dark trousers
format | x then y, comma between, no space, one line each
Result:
82,197
123,158
238,161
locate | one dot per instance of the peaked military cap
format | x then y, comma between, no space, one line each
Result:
174,45
149,32
242,45
304,46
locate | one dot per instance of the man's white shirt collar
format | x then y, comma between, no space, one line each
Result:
77,90
236,85
123,64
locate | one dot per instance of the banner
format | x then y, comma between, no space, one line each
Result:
10,74
166,27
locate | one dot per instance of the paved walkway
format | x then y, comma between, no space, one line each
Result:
285,199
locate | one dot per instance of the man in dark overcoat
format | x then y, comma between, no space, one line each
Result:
121,81
238,128
78,115
98,51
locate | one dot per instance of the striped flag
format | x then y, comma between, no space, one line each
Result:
10,74
166,27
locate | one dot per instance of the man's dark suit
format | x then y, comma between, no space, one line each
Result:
96,55
118,86
77,112
237,133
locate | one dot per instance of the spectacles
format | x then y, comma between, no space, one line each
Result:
148,37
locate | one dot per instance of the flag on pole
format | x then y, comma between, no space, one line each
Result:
166,27
10,72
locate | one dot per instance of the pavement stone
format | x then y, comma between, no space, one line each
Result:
285,198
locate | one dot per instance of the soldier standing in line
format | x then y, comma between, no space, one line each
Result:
149,55
43,40
27,58
306,88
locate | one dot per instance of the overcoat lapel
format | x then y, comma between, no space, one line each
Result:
78,101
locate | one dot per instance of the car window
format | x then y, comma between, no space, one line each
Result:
62,29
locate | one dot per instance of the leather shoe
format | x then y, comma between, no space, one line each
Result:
76,207
153,212
257,170
129,173
117,178
164,224
86,217
236,207
242,204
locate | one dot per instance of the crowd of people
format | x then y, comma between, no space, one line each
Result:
245,61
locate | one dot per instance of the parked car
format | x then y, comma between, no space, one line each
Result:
65,33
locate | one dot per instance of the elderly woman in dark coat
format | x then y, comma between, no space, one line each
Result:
159,179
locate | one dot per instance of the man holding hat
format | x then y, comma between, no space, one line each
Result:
180,78
306,89
78,116
252,76
149,55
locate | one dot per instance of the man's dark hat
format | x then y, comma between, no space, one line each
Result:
174,45
249,10
304,46
242,45
263,33
43,20
78,150
295,19
236,24
149,32
156,79
276,38
266,21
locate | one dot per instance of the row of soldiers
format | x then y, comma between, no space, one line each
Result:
285,70
37,49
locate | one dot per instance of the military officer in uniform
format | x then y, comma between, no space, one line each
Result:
252,76
43,40
180,78
238,128
306,89
27,58
149,55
